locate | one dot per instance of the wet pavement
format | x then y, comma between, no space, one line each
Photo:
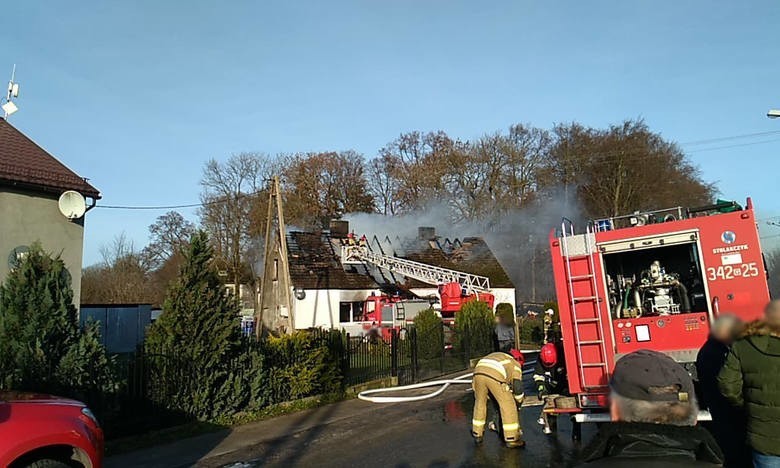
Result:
431,433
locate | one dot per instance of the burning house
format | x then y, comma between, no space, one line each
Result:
308,282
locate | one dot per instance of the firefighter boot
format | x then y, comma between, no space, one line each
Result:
515,444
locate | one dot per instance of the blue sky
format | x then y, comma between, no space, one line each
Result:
137,95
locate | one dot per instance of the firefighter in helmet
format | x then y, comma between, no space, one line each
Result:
351,238
549,378
499,377
363,241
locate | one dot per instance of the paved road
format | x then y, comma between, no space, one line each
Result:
430,433
434,433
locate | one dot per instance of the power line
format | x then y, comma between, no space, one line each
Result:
734,146
186,205
733,137
162,207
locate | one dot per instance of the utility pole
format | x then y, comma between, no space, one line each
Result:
276,265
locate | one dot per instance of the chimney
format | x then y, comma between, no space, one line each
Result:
426,233
339,228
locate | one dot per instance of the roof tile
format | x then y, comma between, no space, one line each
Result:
22,161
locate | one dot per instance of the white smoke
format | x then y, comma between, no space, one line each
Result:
518,238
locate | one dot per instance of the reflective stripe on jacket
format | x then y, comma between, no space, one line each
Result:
501,367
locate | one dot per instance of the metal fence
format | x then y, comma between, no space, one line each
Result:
410,356
148,380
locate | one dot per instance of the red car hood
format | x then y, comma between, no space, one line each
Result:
35,398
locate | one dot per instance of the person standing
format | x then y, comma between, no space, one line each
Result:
499,376
751,379
505,332
728,421
549,379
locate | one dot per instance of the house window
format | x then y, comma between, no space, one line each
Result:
345,311
350,311
276,269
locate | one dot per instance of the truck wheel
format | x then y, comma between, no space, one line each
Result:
48,463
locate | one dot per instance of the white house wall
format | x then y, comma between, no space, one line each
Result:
320,307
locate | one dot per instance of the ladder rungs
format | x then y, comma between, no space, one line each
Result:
594,364
591,342
584,298
581,277
578,257
586,320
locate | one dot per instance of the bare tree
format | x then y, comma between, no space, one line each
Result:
497,173
231,191
382,184
169,234
416,163
122,276
624,168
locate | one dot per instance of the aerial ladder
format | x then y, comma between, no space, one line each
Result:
455,287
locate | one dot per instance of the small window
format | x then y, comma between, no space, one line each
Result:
276,269
345,312
357,311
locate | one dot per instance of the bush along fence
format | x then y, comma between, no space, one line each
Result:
158,391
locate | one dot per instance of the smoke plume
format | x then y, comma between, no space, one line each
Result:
518,238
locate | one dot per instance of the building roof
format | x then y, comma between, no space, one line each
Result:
469,255
23,162
315,263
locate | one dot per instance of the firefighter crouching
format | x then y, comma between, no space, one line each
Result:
549,379
499,376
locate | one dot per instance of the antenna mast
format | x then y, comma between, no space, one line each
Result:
9,107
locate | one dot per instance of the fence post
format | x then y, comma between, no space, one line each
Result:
443,351
412,336
345,364
394,352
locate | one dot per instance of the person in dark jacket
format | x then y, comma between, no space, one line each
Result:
728,421
751,379
653,408
550,380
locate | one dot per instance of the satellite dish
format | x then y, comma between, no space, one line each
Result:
72,204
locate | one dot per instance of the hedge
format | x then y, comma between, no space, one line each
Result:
430,335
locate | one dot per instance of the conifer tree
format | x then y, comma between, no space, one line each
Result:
41,345
196,343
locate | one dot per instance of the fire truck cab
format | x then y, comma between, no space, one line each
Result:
390,312
652,280
454,296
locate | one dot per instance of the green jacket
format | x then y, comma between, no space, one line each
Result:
751,378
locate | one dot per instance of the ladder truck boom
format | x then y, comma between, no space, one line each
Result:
425,273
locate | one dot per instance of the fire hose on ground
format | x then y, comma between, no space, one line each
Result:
444,384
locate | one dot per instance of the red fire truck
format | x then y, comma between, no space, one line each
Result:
652,280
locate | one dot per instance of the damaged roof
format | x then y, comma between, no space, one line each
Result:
469,255
315,263
24,163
